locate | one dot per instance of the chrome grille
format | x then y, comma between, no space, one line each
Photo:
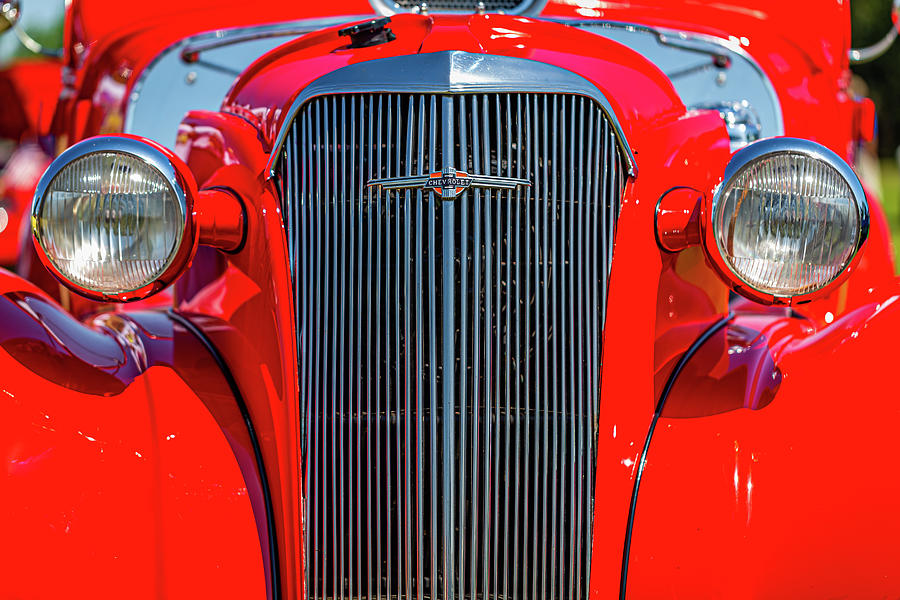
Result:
449,350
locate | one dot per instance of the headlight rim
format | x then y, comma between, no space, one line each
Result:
739,163
176,175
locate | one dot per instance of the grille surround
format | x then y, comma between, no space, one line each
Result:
444,558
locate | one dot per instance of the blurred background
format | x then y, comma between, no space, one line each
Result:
880,80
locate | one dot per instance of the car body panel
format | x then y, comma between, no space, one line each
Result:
246,298
768,472
767,398
123,465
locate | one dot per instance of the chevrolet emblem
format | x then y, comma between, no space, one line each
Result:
449,183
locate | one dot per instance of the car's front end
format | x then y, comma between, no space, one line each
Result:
469,282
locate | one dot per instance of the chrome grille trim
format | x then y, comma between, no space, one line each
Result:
451,72
394,288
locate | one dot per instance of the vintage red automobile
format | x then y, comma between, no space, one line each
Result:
518,299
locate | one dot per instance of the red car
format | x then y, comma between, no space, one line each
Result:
516,300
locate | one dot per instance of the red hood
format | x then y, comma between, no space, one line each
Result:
637,90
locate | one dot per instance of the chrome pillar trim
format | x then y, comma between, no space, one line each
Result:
450,72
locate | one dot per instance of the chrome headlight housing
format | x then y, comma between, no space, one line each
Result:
787,221
112,217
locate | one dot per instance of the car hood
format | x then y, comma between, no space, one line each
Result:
638,92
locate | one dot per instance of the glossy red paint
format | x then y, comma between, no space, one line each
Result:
28,93
125,453
221,219
678,217
694,535
789,498
243,302
639,93
651,319
808,65
106,50
17,182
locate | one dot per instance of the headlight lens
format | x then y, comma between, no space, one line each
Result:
110,220
789,217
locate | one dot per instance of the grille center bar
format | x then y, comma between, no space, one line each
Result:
449,324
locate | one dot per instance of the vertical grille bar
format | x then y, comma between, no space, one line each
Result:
554,257
449,347
487,467
380,422
538,356
545,338
462,160
356,319
476,352
432,348
407,369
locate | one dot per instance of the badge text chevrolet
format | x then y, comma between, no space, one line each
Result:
512,300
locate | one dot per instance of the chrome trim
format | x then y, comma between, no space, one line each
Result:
525,7
687,40
448,184
222,37
741,121
860,56
450,72
745,157
122,145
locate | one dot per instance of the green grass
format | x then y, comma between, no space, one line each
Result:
890,200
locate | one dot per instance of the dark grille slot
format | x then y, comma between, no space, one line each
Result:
449,348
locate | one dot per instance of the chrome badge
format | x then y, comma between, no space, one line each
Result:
449,183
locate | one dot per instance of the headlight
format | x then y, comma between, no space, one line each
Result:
788,220
112,217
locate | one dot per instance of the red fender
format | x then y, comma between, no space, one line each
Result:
130,476
776,442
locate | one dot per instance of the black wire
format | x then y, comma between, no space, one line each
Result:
656,414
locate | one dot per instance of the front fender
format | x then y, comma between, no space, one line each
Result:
772,470
127,472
